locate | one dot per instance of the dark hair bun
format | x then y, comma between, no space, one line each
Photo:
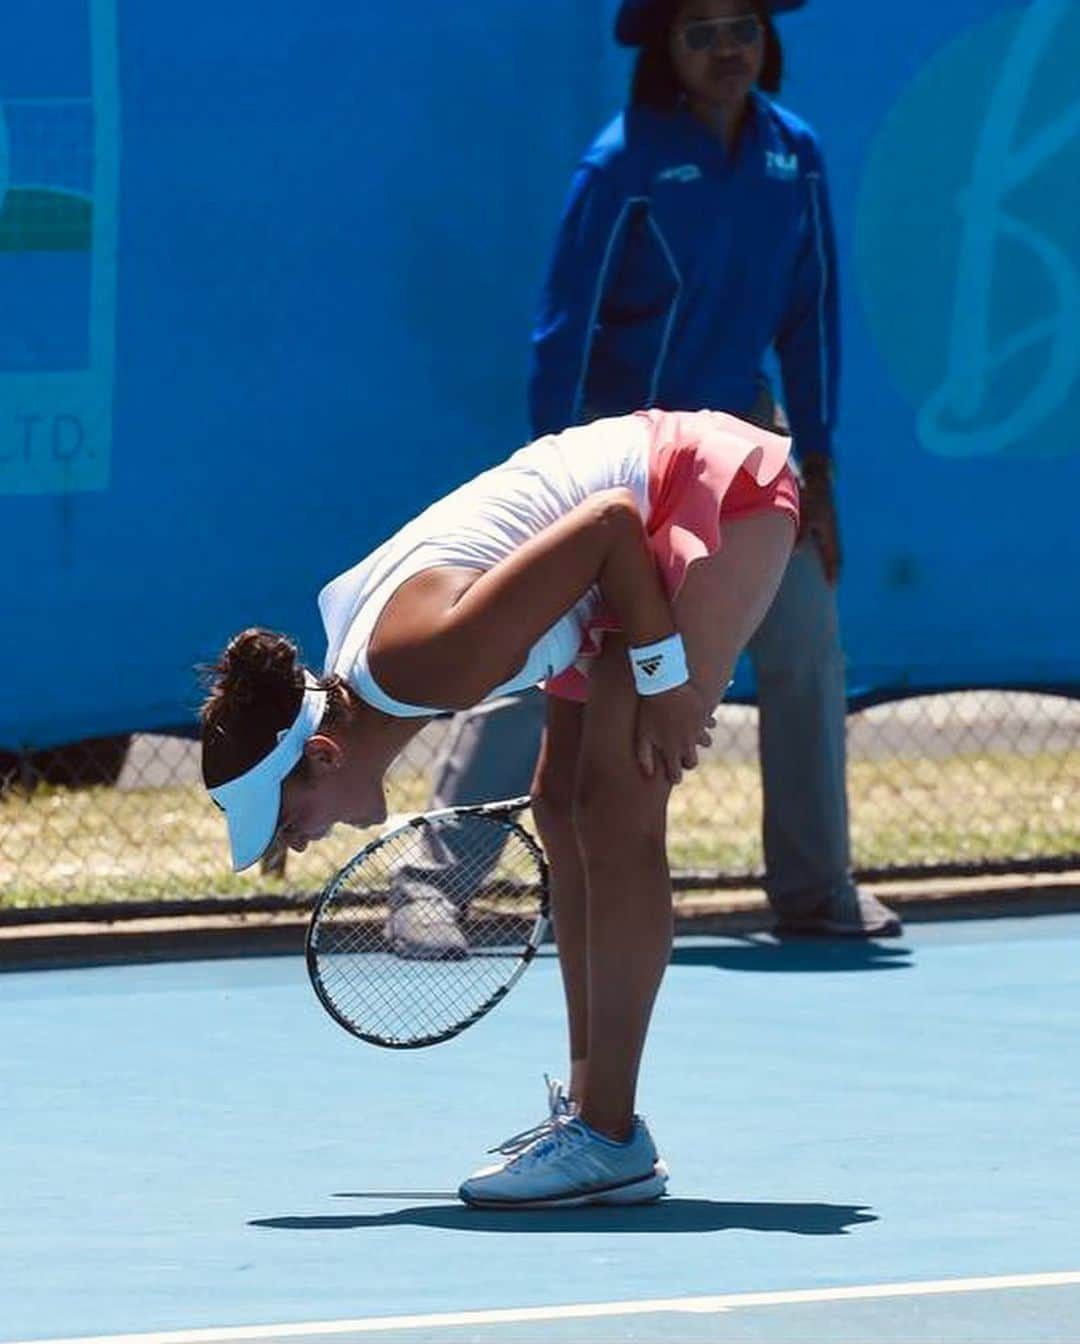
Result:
259,664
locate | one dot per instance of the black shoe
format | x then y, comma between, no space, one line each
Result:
864,916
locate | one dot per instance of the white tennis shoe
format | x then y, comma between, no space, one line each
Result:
425,929
560,1106
570,1165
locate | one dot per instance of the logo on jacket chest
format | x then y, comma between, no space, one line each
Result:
682,172
785,167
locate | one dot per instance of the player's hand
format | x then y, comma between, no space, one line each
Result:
670,728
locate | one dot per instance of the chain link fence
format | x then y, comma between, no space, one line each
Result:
971,782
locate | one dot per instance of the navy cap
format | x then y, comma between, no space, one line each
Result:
638,20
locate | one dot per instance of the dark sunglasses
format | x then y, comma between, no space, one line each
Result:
704,34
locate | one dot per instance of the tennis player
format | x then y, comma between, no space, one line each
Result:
623,565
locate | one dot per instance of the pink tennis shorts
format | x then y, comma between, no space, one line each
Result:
705,468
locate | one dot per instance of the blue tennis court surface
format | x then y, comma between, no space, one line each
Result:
864,1142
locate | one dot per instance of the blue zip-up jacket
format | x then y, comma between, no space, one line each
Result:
678,267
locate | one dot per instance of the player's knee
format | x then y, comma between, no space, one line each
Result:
620,817
553,807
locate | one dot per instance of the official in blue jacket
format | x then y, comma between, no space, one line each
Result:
696,252
697,238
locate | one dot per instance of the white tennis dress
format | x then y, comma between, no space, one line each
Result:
477,525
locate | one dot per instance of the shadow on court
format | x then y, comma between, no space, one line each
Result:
795,957
670,1215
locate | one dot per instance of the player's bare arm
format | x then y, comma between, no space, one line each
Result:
449,636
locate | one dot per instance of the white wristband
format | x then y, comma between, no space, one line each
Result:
659,667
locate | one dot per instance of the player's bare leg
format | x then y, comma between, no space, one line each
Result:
553,810
622,814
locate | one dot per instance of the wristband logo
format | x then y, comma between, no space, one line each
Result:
965,247
650,666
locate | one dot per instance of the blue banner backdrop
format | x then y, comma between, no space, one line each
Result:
267,273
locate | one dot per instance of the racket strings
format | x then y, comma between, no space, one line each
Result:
426,929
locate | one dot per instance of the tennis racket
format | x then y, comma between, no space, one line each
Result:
430,926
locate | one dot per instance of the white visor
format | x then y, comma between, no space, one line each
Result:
252,801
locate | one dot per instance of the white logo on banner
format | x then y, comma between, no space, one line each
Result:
967,238
1003,163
